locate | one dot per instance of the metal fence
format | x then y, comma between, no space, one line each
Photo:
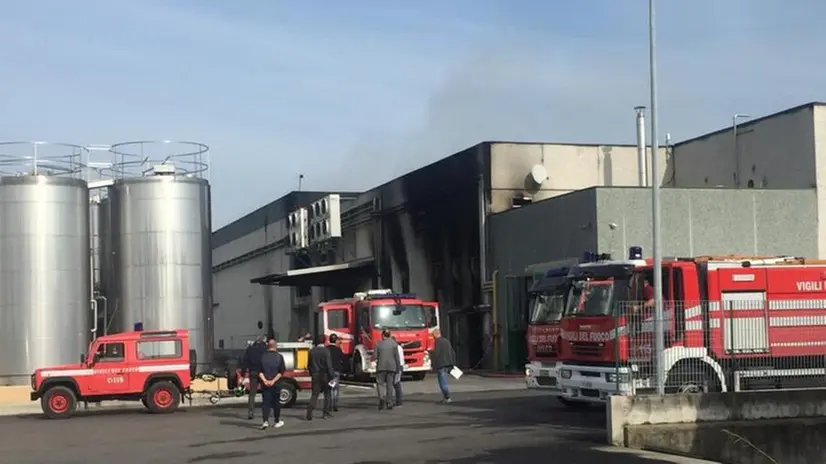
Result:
743,342
739,343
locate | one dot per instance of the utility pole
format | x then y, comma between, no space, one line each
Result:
659,327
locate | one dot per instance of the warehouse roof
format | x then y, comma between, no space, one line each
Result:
750,122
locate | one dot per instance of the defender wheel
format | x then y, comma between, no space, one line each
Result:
163,397
59,403
419,375
287,395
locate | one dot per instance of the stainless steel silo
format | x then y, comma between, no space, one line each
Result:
155,235
45,280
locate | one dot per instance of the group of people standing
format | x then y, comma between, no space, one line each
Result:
265,367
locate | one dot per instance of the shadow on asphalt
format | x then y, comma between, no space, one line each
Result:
563,452
336,430
522,411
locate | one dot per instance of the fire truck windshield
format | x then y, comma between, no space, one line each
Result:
591,298
547,307
399,317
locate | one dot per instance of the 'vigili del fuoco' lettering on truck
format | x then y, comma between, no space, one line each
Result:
810,286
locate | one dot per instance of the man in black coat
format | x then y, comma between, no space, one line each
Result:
252,367
337,357
320,365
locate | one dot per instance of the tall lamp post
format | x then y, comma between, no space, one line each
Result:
734,120
659,335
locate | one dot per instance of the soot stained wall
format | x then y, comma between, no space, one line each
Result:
429,233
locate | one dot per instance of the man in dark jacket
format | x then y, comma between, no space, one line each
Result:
272,369
320,366
442,358
388,365
252,367
337,358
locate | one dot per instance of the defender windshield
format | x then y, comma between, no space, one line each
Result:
591,298
547,307
399,317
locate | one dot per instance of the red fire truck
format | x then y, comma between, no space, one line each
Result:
547,303
359,321
730,323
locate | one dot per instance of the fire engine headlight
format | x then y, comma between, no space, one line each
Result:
34,386
565,373
426,357
613,377
527,372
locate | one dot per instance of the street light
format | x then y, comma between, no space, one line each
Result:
659,335
734,120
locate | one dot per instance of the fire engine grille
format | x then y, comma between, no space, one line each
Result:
412,345
586,348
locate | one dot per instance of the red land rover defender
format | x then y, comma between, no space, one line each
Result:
155,367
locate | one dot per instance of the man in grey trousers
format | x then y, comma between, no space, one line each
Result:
387,365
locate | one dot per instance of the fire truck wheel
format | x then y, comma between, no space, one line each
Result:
358,371
59,403
163,397
287,395
692,379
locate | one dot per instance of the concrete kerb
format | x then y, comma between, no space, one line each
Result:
627,411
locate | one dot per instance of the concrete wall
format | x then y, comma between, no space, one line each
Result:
710,221
570,167
741,428
694,222
820,166
551,229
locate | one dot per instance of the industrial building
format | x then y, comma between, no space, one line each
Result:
785,150
423,232
448,230
699,221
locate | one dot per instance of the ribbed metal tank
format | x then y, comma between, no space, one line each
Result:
45,280
156,259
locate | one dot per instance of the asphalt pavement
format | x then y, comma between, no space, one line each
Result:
484,424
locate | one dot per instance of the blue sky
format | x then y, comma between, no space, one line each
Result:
355,93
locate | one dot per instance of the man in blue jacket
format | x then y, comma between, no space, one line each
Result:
272,369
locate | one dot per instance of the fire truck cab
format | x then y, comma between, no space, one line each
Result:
729,323
359,321
547,296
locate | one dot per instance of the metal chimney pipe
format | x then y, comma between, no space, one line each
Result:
642,161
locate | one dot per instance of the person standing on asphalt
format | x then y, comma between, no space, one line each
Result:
397,381
337,358
272,368
388,363
442,359
321,371
252,367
